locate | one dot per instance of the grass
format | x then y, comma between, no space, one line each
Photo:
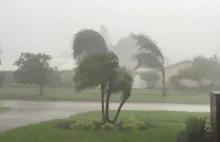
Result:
168,124
138,95
4,109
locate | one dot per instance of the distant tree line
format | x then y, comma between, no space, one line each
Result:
205,72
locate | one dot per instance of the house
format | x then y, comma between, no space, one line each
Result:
171,70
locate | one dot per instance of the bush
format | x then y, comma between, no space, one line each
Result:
77,124
85,125
64,124
88,126
143,125
130,127
195,129
129,119
127,123
97,123
130,122
195,124
108,127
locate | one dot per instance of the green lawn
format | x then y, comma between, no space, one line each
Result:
168,124
4,109
138,95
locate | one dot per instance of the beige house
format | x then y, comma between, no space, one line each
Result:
171,70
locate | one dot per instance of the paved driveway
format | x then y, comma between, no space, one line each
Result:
30,112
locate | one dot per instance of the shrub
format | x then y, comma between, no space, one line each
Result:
131,122
77,124
97,123
141,125
108,127
130,127
128,119
195,128
64,124
127,123
88,126
85,125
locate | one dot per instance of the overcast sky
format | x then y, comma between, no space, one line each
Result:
182,28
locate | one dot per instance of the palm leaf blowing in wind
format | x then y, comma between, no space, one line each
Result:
149,55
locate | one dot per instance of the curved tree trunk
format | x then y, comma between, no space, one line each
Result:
103,105
107,107
118,112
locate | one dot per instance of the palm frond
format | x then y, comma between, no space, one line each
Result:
148,60
145,43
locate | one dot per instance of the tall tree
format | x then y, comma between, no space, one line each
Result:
87,42
150,56
202,69
102,69
33,69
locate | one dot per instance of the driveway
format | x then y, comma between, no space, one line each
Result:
30,112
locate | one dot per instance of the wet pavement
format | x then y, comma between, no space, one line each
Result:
29,112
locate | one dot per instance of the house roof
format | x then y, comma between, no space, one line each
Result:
178,63
168,66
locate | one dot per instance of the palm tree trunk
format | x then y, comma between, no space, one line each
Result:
118,112
107,107
164,80
103,105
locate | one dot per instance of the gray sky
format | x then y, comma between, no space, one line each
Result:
182,28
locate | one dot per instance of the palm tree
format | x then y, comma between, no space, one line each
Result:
150,56
102,69
86,42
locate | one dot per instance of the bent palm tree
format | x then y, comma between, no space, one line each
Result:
102,69
87,42
96,70
149,56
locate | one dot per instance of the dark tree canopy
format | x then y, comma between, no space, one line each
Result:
33,68
95,69
86,42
